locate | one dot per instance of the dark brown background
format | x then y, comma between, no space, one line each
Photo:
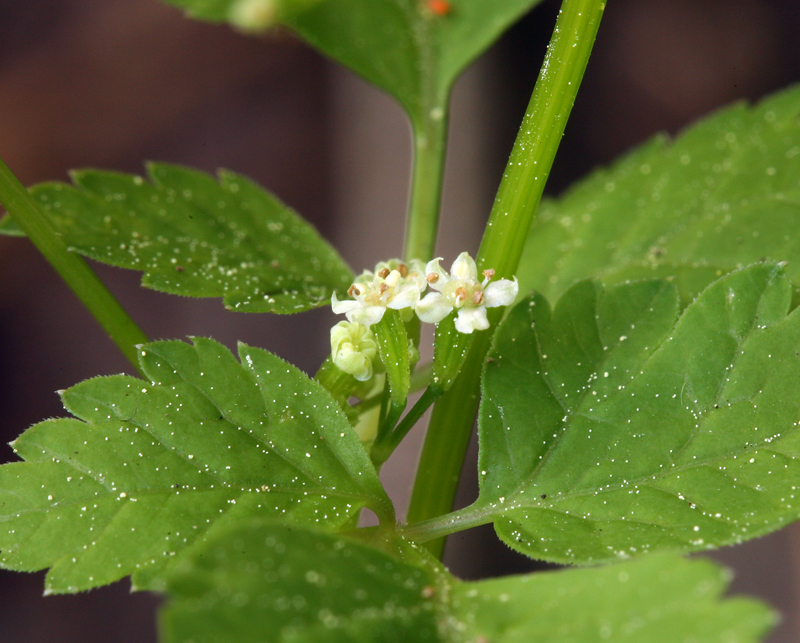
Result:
110,84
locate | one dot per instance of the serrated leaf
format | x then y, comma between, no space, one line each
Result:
264,582
194,236
724,194
609,430
402,46
656,600
154,466
272,583
10,228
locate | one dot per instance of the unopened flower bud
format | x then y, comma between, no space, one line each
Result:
253,15
353,348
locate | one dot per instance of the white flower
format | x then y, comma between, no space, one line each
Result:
461,290
394,284
353,347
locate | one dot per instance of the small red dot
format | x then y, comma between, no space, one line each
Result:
439,7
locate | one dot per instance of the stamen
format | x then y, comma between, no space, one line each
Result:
384,273
488,273
384,288
477,297
353,291
461,294
403,270
432,277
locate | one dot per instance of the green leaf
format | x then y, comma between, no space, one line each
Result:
724,194
192,235
266,582
9,227
608,430
661,599
155,466
399,45
403,47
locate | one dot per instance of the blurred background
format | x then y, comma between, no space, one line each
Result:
111,84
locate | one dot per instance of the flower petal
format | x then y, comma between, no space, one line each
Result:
416,274
433,308
500,293
470,319
406,296
343,307
366,315
464,268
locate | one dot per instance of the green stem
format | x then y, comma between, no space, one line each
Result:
503,242
430,141
386,444
73,269
437,528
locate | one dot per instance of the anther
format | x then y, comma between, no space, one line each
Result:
403,270
384,288
384,273
477,297
488,273
353,291
432,277
461,293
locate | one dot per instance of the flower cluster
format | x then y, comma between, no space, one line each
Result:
398,285
461,290
394,284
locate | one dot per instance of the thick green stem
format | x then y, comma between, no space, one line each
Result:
503,242
73,269
430,140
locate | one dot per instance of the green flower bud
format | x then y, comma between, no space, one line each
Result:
353,347
254,15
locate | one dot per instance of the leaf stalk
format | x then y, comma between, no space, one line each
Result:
83,281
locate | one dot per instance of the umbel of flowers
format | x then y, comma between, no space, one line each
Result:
400,286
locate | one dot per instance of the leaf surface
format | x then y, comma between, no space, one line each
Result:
194,236
655,600
610,428
150,467
272,583
268,582
724,194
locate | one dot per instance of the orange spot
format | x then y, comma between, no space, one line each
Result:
440,7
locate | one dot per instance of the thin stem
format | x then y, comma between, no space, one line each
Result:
83,281
385,445
437,528
420,379
430,141
503,242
